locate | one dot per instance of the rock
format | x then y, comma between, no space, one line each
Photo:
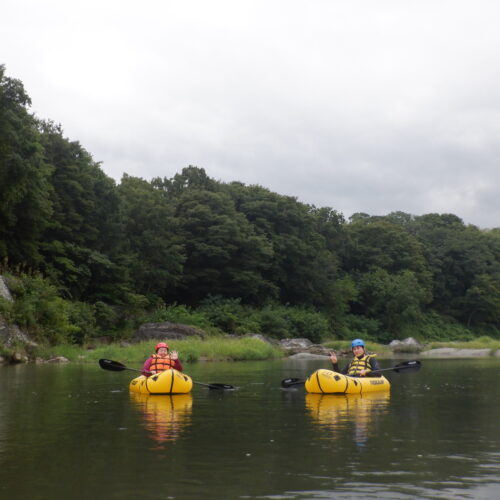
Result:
294,344
58,359
2,360
11,335
299,345
307,355
319,350
451,352
4,290
165,331
497,353
19,357
409,345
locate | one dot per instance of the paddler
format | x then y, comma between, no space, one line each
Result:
162,360
362,364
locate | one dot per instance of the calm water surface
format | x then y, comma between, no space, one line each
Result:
76,432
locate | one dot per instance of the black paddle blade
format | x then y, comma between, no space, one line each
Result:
408,366
221,387
114,366
289,382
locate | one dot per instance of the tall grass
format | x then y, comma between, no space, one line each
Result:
190,350
479,343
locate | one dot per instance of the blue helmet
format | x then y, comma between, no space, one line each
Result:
357,342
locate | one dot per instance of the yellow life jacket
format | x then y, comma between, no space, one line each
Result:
358,364
160,364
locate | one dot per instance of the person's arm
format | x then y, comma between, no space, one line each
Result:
334,360
335,363
145,368
375,367
174,356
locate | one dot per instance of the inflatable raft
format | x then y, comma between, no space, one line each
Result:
329,382
167,382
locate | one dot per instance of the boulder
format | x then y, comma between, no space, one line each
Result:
301,345
58,359
4,290
11,335
408,345
165,331
304,356
298,345
19,357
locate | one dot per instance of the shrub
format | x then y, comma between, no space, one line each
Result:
39,311
435,327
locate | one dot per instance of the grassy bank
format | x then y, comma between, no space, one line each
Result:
190,350
479,343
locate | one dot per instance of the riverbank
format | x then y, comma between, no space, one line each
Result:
243,349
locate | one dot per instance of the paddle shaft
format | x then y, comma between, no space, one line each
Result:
407,365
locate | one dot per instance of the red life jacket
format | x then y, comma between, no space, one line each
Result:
160,364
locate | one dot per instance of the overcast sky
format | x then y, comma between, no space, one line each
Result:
360,105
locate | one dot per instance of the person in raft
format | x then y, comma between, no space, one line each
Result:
162,360
362,365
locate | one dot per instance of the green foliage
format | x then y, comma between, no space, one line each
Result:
357,326
396,299
25,207
82,244
156,251
39,311
217,315
228,315
435,327
289,322
82,317
119,252
180,314
190,350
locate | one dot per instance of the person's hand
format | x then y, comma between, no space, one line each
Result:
362,373
174,355
333,357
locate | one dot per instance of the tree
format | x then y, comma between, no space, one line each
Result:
303,267
82,245
224,255
25,207
151,230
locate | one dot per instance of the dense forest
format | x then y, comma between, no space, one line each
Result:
87,257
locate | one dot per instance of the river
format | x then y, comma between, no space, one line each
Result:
75,431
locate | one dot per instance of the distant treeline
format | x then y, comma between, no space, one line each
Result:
87,257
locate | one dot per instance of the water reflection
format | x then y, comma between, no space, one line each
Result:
341,413
164,416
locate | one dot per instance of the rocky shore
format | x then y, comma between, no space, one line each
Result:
294,348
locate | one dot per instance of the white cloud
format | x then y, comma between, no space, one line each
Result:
361,106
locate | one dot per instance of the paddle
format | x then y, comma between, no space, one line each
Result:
115,366
407,366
